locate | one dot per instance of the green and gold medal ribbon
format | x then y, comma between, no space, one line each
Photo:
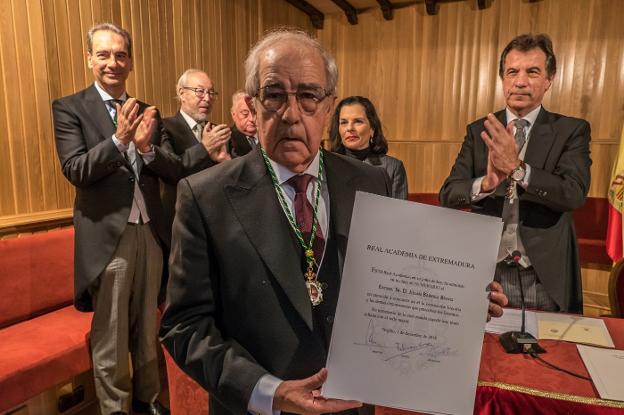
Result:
307,247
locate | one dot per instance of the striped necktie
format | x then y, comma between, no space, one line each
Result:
112,109
520,136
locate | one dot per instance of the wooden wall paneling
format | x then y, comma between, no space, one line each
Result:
229,62
167,64
427,163
12,50
428,75
177,46
55,87
43,57
158,46
27,143
595,290
51,52
7,204
76,47
137,80
274,15
447,68
105,11
214,41
151,42
245,22
149,12
87,19
7,201
42,132
603,156
205,29
62,47
182,36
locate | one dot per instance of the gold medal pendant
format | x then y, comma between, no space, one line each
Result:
315,291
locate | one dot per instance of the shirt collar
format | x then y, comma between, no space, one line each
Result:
531,117
106,96
283,174
189,120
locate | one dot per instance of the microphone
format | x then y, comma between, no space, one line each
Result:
520,341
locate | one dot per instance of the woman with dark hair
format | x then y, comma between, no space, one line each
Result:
355,131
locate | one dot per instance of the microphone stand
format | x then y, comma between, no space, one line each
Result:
520,341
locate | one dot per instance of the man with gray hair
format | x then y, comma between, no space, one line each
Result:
199,143
111,149
244,131
259,244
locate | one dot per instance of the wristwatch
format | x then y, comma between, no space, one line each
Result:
517,174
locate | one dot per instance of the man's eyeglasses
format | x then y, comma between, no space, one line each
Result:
201,92
274,98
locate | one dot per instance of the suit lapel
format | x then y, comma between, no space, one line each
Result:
540,141
184,132
97,112
96,109
257,208
241,144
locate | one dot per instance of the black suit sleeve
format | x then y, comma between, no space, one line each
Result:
566,187
192,159
81,165
189,327
166,164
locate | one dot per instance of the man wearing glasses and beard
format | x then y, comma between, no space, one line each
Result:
199,143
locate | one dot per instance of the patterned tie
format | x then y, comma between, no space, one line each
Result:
252,141
304,214
112,109
520,136
198,130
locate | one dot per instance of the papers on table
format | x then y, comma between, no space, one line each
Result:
511,320
409,323
605,366
573,328
554,326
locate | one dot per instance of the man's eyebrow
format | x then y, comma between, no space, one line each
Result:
308,85
271,83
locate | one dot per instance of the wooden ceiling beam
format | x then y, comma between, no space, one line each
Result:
432,7
316,16
348,9
386,9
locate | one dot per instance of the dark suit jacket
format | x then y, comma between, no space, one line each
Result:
238,145
192,154
104,182
237,306
558,153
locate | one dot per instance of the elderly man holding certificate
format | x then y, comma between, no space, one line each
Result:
259,245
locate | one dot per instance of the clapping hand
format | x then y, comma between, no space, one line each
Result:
215,138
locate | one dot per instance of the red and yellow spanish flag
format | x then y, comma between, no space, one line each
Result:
616,206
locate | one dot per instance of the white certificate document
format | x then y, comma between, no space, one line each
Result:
411,314
605,366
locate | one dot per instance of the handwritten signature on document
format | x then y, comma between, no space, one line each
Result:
408,356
